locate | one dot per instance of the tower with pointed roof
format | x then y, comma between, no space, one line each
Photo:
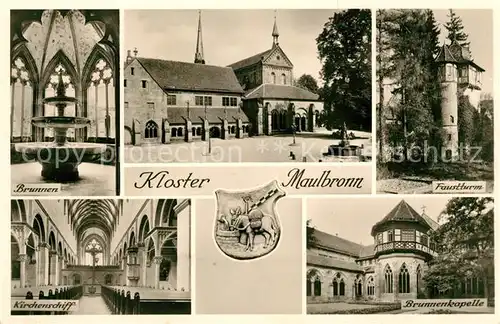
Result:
459,75
275,33
272,100
199,56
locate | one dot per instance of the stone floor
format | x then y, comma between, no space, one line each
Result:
92,305
95,179
254,149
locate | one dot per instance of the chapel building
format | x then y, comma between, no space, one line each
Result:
389,270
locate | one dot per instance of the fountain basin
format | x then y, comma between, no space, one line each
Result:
344,150
60,162
60,100
61,122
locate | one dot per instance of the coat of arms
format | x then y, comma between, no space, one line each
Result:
247,225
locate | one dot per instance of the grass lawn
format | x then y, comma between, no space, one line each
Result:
460,171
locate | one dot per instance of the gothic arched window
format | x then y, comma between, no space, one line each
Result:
93,253
370,287
341,288
273,78
101,101
404,280
151,130
388,280
283,78
22,100
419,278
317,287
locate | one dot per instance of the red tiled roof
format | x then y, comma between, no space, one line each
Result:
176,115
278,91
174,75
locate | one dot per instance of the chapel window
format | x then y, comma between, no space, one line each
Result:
388,280
22,100
404,280
100,95
151,130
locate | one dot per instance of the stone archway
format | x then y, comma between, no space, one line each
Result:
215,132
128,138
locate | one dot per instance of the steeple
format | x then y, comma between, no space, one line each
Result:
198,56
275,34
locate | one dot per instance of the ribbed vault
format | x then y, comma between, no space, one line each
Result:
75,33
93,216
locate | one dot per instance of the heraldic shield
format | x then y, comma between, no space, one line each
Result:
247,225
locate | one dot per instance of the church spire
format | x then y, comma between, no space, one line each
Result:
275,34
198,56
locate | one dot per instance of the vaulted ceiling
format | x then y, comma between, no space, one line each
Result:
93,216
74,34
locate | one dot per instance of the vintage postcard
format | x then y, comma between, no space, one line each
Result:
64,102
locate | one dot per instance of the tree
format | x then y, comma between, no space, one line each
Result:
464,244
455,29
308,82
411,39
384,26
344,48
484,128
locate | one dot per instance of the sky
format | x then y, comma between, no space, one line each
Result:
478,24
353,218
228,35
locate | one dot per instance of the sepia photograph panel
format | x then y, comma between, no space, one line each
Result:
64,102
247,86
98,257
432,255
435,101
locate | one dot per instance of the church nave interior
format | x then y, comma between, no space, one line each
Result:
121,256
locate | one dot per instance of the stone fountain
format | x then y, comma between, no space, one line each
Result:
344,148
60,158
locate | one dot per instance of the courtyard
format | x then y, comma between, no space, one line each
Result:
308,147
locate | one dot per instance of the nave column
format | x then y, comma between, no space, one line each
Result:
43,265
183,271
22,263
54,268
125,269
157,262
142,258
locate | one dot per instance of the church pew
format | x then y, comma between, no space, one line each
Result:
45,292
142,300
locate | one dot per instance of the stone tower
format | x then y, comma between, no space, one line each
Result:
199,56
402,249
459,75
